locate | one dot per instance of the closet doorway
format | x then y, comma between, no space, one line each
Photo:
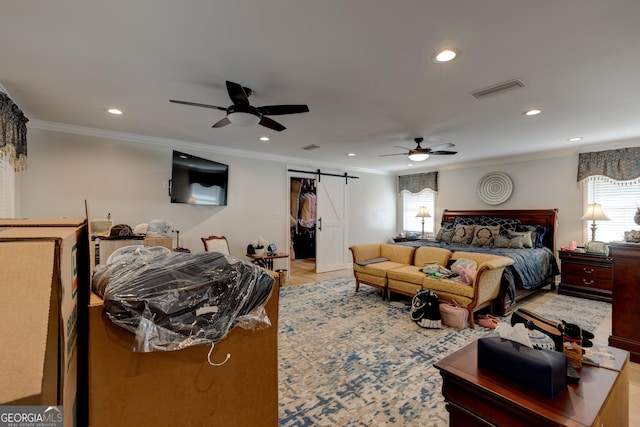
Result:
317,221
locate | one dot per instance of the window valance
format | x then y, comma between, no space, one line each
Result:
13,133
418,182
613,165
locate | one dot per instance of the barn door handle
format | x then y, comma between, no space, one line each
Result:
319,224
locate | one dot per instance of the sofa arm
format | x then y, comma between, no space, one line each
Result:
365,251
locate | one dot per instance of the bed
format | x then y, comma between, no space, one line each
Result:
534,267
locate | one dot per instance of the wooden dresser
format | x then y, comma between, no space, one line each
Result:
586,275
476,397
625,323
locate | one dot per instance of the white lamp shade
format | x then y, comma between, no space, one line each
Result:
243,119
594,212
423,212
418,157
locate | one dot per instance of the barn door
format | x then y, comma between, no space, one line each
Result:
331,243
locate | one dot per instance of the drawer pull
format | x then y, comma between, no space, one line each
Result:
588,270
587,282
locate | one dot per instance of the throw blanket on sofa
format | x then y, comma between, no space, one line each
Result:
531,269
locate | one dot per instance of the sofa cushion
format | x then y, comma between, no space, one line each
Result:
408,273
397,253
365,251
378,269
447,285
429,255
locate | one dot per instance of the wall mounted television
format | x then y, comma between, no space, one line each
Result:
198,181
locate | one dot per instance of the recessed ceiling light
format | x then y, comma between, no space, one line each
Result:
575,139
351,154
264,138
445,55
533,112
115,111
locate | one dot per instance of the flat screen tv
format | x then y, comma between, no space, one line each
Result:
198,181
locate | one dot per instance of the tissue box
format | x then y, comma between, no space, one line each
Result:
541,370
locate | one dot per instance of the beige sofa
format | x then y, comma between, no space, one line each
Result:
369,266
401,273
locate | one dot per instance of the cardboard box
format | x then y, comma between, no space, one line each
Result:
180,388
45,271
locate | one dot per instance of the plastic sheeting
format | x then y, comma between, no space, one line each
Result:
173,300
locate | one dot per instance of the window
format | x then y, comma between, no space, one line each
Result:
619,203
411,204
6,188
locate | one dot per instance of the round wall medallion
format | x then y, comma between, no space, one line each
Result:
495,188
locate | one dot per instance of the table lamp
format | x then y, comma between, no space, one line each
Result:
594,213
423,213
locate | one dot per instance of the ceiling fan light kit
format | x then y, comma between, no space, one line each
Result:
418,157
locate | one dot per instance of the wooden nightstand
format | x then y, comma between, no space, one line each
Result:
586,275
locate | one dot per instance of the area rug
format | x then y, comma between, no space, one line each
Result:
353,359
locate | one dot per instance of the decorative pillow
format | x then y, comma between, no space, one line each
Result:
444,234
463,220
537,233
483,235
505,224
526,237
463,234
512,242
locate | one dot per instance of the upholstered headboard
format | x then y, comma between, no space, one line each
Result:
545,217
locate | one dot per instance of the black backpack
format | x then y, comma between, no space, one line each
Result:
425,309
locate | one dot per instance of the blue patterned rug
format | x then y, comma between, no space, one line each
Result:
352,359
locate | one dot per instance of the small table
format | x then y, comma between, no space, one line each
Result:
477,397
266,260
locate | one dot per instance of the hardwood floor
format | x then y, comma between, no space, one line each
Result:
303,271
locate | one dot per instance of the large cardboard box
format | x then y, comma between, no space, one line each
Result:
44,273
181,388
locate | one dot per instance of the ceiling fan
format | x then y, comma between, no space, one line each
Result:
244,114
420,154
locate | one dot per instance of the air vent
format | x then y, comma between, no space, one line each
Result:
499,88
311,147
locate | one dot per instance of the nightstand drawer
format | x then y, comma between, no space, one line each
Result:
588,281
587,271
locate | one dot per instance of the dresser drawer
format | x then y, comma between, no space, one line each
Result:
587,271
588,281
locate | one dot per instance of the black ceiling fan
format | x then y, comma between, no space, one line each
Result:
420,154
244,114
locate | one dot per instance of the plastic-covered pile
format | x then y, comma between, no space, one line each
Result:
172,300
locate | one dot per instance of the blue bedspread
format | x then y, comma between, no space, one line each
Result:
531,269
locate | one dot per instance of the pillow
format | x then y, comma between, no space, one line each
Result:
505,224
463,220
463,234
483,235
512,242
526,237
444,234
537,233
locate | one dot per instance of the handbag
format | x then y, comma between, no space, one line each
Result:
453,314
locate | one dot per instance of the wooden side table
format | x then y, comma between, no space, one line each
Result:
477,397
586,275
266,260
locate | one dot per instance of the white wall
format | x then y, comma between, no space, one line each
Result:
127,179
537,184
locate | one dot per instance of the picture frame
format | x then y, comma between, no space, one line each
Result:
272,248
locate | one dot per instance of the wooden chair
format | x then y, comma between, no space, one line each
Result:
216,244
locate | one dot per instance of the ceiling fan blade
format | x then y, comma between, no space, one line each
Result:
237,93
221,123
397,154
276,110
271,124
440,152
195,104
441,146
404,148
